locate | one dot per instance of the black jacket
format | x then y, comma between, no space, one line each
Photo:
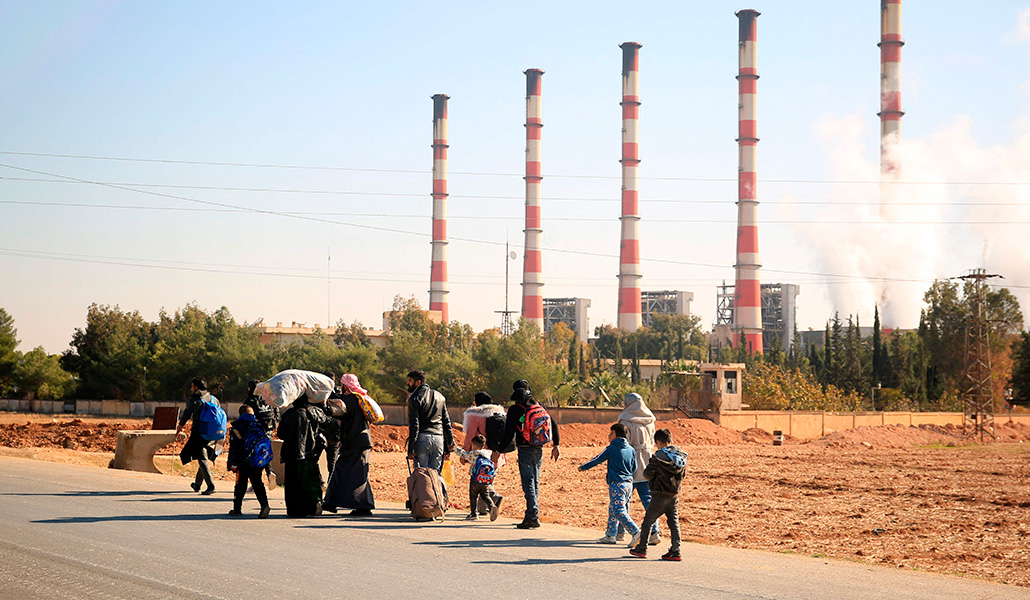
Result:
298,430
266,414
665,470
513,427
427,413
353,426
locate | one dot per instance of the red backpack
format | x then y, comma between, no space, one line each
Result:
536,429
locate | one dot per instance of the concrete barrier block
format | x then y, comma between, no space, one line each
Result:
135,409
134,450
114,407
5,405
36,406
96,407
897,418
24,406
47,407
806,426
868,419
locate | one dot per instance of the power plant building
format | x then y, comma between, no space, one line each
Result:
779,313
666,302
571,311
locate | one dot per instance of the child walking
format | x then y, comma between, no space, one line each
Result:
239,462
665,474
481,479
622,462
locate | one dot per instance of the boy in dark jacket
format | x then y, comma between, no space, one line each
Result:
239,464
665,474
622,462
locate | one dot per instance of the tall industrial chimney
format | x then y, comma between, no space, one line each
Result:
532,266
747,302
890,84
438,275
629,247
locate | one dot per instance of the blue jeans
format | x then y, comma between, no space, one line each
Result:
429,454
429,451
644,491
530,459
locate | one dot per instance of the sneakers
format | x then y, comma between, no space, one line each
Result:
671,555
235,513
360,512
654,539
635,540
208,491
195,486
620,537
318,509
264,512
638,553
272,483
608,539
472,517
528,524
495,511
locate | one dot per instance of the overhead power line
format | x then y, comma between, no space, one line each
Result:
663,220
497,197
491,174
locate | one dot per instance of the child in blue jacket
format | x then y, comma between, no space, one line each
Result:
622,462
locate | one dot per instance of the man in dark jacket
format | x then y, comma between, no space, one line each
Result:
531,457
197,448
302,444
430,437
267,416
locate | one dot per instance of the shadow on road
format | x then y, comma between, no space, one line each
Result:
127,518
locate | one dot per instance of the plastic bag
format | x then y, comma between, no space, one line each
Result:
447,471
285,387
373,413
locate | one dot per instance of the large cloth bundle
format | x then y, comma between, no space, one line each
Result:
287,386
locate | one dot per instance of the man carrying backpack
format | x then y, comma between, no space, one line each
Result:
201,444
267,416
527,423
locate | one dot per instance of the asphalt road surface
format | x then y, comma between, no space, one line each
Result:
80,532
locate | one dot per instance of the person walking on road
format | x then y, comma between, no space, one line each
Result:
430,437
267,416
348,482
639,422
197,448
245,427
530,455
302,443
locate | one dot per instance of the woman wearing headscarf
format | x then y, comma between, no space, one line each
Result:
348,483
639,422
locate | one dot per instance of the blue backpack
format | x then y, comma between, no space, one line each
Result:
483,470
211,421
258,447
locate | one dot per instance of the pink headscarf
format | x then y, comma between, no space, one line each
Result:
349,381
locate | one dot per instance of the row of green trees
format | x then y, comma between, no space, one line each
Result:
121,355
922,369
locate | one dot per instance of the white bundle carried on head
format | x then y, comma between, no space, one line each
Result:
286,386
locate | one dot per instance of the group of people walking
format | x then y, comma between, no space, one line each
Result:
638,456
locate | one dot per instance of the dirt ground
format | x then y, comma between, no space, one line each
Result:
920,498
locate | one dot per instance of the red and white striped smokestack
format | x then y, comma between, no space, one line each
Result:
629,247
438,275
747,303
532,265
890,84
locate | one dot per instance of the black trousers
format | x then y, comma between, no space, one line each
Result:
481,493
245,474
662,504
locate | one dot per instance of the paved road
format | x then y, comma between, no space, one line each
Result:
81,532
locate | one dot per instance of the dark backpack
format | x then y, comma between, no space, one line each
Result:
258,447
536,429
211,421
263,412
495,433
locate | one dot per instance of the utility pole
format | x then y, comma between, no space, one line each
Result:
978,414
506,327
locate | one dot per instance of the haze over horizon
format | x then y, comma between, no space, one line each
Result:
254,143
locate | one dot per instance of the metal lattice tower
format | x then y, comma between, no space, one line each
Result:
978,413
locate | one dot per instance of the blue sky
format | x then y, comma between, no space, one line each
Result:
348,86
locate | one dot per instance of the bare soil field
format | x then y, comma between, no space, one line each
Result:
921,498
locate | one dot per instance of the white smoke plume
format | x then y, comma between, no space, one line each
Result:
895,232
